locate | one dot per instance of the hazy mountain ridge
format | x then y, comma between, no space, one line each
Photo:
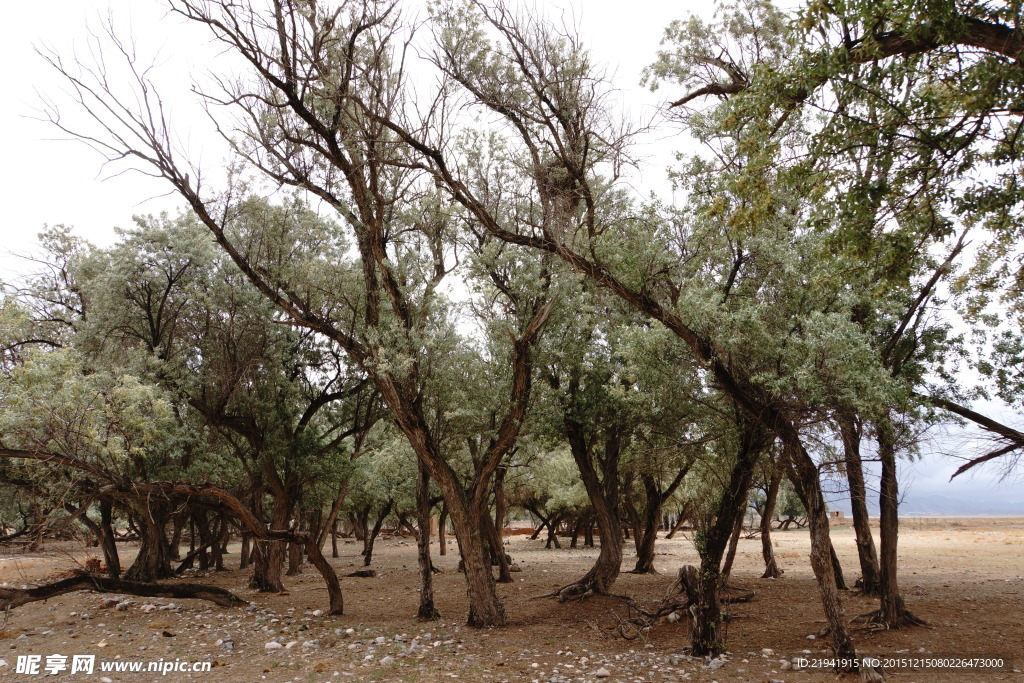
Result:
937,504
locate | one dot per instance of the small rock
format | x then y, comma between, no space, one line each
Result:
167,634
387,660
318,613
3,663
291,644
107,603
148,607
716,663
768,652
811,637
380,640
123,605
602,673
106,680
273,645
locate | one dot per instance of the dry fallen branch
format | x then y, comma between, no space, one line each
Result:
16,597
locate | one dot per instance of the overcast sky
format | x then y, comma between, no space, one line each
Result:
47,180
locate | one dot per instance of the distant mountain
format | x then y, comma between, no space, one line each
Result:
934,504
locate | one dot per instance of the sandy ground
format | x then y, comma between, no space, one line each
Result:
962,576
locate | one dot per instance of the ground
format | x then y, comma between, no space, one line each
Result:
962,576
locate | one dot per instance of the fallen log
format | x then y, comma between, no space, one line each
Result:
16,597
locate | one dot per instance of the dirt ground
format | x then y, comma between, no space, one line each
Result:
962,576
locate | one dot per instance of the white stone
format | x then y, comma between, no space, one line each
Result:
273,645
318,613
602,673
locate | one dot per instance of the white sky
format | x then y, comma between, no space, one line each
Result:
50,181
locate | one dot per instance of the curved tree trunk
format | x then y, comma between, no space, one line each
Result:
371,536
604,497
771,568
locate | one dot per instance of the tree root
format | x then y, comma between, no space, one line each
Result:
876,621
16,597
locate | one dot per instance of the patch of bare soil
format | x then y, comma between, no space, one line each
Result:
963,577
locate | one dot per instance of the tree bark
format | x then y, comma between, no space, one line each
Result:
893,612
371,536
152,562
427,610
734,540
850,432
804,474
771,568
15,597
711,541
108,542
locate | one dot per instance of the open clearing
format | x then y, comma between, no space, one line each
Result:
962,576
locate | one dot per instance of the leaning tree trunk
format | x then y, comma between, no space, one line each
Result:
153,561
706,638
497,549
654,499
837,567
893,612
771,568
604,498
734,541
427,610
850,432
804,474
371,536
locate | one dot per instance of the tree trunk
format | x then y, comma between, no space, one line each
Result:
683,515
294,559
243,554
893,613
706,637
734,541
334,538
442,527
497,550
269,556
427,610
603,493
371,536
850,431
804,474
316,557
771,568
837,567
153,561
108,543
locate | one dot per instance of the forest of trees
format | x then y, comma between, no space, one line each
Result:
424,284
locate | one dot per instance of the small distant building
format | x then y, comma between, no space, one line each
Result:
837,514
